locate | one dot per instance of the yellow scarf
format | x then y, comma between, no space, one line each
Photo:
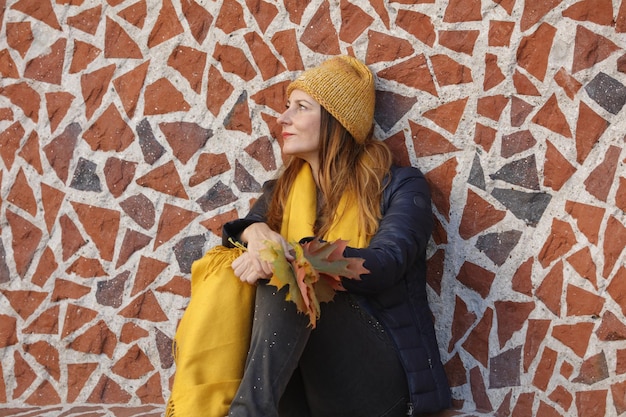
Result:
212,339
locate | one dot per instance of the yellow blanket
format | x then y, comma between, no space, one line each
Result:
212,339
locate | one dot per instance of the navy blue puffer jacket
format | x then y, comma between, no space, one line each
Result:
395,289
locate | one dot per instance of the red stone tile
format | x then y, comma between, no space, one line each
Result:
434,272
620,194
48,67
547,410
263,12
177,285
457,40
427,142
448,115
574,336
133,365
9,143
8,69
198,19
583,303
535,12
354,21
24,375
46,266
478,215
108,391
87,20
519,111
589,128
380,7
319,34
102,225
397,144
24,97
549,291
493,73
476,278
611,329
39,9
484,136
523,404
562,238
6,113
479,392
162,97
119,174
500,33
147,271
172,221
129,85
450,72
618,391
440,181
477,341
218,92
230,17
516,143
239,116
167,25
534,50
455,371
523,85
590,48
57,105
75,318
511,317
596,11
283,42
86,268
295,9
151,392
413,72
131,332
562,397
385,48
64,289
109,132
94,86
51,202
215,223
600,180
135,14
462,11
620,21
535,336
614,244
557,170
21,194
98,339
492,106
118,43
3,386
522,278
593,369
569,84
190,63
140,209
132,243
8,331
545,369
551,117
25,240
84,54
77,376
463,320
274,97
583,263
588,219
46,323
164,179
144,307
19,36
262,151
185,138
591,403
47,355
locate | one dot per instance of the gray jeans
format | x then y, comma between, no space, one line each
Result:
346,366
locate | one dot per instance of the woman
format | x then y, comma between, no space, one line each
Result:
373,351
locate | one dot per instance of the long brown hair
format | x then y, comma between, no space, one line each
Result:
346,167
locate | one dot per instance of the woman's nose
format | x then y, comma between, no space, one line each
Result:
283,118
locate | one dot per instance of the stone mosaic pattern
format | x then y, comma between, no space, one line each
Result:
131,130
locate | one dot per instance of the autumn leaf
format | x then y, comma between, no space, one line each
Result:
314,274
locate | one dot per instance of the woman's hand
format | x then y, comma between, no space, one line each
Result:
249,267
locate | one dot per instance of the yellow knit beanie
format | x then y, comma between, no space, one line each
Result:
344,86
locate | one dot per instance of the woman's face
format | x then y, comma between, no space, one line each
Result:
301,127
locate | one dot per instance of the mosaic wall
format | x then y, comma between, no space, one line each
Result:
131,130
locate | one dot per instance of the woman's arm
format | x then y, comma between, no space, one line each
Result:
402,235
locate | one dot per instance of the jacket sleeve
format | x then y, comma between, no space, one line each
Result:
233,229
403,234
